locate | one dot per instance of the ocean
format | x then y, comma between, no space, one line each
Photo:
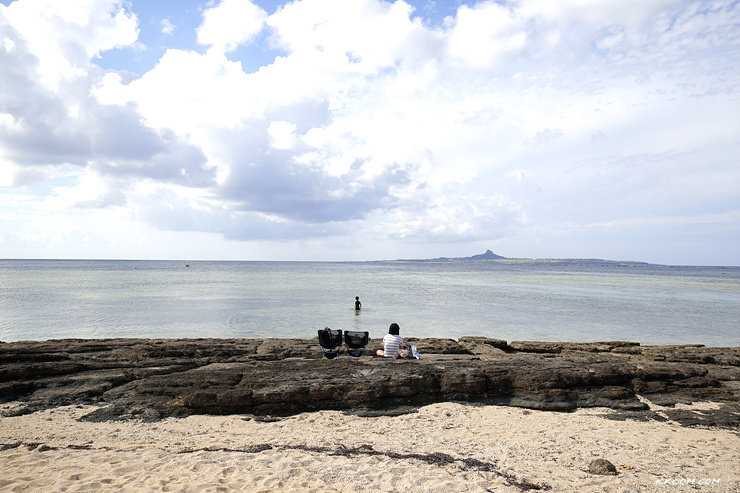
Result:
649,304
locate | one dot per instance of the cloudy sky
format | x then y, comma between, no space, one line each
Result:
367,129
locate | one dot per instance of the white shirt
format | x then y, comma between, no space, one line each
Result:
390,345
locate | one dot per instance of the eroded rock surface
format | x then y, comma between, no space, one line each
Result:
153,379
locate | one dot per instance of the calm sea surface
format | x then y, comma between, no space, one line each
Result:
52,299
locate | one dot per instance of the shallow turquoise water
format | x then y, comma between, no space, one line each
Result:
42,299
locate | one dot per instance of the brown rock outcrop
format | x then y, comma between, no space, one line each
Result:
153,379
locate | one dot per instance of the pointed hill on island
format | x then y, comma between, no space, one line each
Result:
489,255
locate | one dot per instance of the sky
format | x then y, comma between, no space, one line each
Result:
367,129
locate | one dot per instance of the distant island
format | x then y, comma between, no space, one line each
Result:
490,256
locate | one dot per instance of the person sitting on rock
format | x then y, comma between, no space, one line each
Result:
391,342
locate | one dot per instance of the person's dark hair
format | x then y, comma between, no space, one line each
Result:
393,329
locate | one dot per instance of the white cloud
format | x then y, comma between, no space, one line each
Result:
510,122
596,13
282,135
486,34
230,24
8,44
7,174
65,34
91,191
216,93
168,27
361,36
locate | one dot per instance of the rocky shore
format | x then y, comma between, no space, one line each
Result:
153,379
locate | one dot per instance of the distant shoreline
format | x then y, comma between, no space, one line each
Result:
489,256
551,261
439,260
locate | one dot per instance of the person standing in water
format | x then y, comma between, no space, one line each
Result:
358,305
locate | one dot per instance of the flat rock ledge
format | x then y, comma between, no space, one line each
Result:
152,379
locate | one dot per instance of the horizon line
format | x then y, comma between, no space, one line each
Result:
503,260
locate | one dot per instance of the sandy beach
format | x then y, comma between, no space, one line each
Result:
442,447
